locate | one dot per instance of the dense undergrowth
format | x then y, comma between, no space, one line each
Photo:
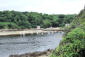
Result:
73,43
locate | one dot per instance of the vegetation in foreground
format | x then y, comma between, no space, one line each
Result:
73,43
23,20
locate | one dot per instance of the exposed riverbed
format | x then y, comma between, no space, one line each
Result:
28,44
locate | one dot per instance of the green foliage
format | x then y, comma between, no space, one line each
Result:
82,26
76,34
72,45
8,25
46,23
24,20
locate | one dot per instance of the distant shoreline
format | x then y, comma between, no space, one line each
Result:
12,32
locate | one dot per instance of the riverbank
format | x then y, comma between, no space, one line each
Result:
11,32
35,54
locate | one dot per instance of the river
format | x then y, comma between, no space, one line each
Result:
30,43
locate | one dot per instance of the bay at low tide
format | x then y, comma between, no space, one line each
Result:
28,44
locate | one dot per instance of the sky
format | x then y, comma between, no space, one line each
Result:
44,6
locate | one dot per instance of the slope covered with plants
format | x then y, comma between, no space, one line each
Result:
22,20
73,43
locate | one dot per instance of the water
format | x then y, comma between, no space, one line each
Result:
26,44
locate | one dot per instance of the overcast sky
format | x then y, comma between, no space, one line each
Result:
44,6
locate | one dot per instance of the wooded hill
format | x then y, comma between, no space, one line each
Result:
22,20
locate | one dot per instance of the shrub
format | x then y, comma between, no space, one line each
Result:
73,45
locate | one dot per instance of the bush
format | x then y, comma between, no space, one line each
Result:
82,26
73,45
76,34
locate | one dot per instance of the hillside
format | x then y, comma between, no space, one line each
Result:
23,20
73,43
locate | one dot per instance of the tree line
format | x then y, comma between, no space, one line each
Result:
23,20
